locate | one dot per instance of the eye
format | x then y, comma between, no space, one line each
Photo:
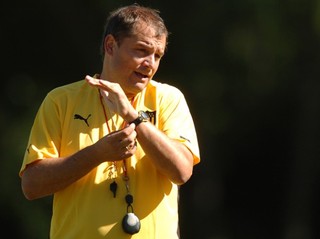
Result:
142,51
158,56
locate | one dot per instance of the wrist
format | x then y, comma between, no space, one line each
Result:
132,116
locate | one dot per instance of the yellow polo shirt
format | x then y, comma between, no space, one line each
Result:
70,118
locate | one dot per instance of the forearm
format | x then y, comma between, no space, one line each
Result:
170,157
47,176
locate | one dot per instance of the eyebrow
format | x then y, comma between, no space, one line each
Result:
151,46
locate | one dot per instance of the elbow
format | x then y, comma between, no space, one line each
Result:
183,177
26,191
184,169
28,188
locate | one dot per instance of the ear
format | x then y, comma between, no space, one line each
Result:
109,43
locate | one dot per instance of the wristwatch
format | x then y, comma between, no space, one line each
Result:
142,117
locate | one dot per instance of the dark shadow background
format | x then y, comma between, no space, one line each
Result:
250,72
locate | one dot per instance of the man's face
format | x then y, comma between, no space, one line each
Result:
135,60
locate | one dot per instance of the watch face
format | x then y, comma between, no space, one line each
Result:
144,115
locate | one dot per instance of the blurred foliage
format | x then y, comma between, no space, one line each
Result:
249,70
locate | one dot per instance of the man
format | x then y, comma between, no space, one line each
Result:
114,148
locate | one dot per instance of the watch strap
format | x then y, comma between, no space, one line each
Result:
142,117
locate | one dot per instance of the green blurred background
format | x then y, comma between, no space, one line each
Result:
250,72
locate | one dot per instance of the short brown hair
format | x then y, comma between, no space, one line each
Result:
121,22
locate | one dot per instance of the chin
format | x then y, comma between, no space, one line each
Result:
142,83
134,90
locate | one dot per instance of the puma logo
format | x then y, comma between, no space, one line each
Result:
76,116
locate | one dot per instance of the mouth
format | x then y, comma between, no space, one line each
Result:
141,76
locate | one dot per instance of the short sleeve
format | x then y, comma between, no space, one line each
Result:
176,120
45,136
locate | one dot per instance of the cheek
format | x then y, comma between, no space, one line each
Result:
125,63
156,66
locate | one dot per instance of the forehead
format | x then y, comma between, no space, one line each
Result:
147,34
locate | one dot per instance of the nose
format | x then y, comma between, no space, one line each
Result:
149,61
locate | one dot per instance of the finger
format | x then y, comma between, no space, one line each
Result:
105,95
126,142
102,84
129,141
92,81
130,128
133,125
132,146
